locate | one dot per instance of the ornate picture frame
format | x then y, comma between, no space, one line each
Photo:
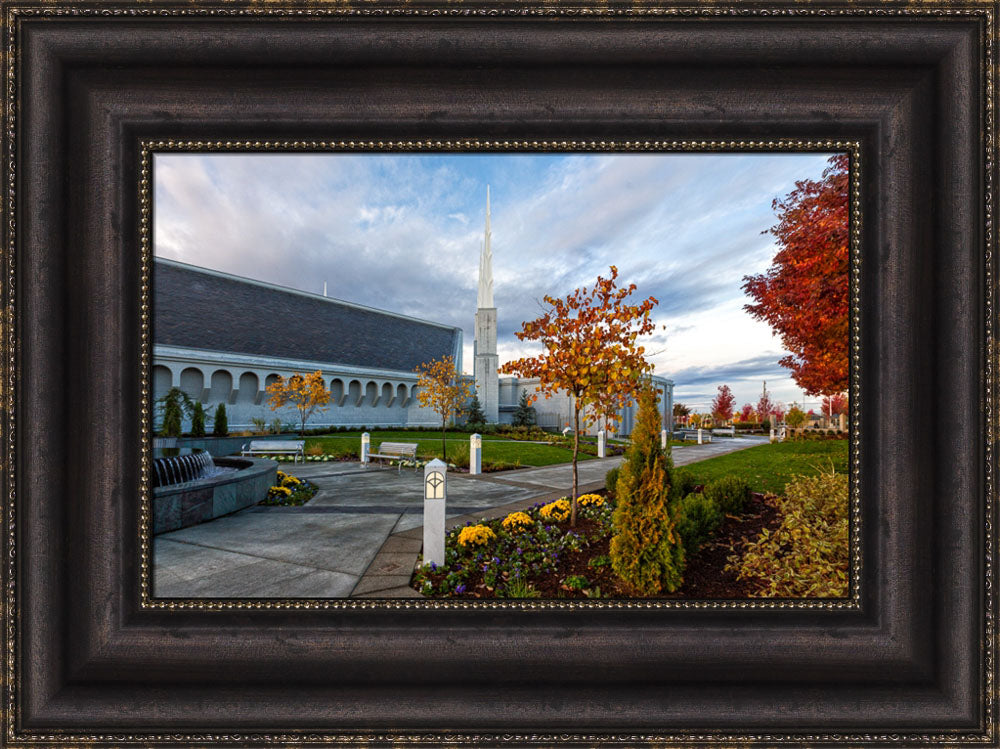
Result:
95,88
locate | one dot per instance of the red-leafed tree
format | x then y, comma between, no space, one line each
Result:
834,405
722,405
778,410
765,405
746,413
803,296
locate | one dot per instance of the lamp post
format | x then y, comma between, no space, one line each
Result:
435,498
365,443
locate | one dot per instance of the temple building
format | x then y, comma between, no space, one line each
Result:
223,339
499,396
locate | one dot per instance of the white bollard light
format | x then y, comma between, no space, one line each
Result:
475,454
365,444
435,498
602,444
699,436
663,439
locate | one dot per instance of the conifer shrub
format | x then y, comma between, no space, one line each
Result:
700,517
611,480
647,552
684,483
220,425
730,494
198,420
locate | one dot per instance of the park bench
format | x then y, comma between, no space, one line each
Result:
692,434
276,447
396,451
730,431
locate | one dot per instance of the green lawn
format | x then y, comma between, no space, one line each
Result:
769,467
429,446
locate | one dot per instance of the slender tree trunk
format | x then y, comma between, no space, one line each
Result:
444,444
576,451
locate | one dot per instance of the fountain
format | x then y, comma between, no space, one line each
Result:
190,486
175,465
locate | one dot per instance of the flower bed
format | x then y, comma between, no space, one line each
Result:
290,491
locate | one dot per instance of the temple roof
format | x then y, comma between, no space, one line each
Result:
197,308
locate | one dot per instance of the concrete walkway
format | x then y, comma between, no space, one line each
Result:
361,534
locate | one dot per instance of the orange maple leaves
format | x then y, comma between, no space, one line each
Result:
803,296
591,349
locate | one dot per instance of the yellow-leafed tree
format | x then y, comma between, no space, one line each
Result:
590,353
306,392
440,388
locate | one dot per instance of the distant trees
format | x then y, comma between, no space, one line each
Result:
475,417
747,412
220,425
306,392
765,405
834,405
795,417
681,412
175,404
803,296
198,420
440,387
590,352
525,415
722,405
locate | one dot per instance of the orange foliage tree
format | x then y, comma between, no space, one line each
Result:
803,296
306,392
590,353
441,388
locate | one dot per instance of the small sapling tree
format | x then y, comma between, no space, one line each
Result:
441,388
306,392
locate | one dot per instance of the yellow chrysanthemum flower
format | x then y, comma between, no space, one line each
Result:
557,511
478,535
517,521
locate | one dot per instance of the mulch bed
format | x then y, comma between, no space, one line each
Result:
704,575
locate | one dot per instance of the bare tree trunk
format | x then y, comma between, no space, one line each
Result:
444,445
576,451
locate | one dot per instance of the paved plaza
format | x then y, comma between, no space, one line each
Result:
361,534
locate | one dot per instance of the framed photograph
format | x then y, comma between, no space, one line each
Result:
499,373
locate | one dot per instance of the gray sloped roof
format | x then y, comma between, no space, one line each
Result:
203,309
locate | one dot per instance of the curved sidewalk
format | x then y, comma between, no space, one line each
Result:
362,532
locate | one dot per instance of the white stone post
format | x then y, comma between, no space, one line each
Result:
475,454
365,443
602,444
772,434
843,422
435,498
699,435
663,439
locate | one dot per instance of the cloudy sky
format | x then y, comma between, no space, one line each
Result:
403,233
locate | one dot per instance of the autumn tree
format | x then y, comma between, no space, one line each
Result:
441,388
765,405
778,409
803,296
306,392
680,411
722,404
795,417
746,413
834,405
590,352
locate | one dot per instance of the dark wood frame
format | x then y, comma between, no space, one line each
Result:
85,661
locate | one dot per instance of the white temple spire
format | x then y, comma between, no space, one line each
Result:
485,298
